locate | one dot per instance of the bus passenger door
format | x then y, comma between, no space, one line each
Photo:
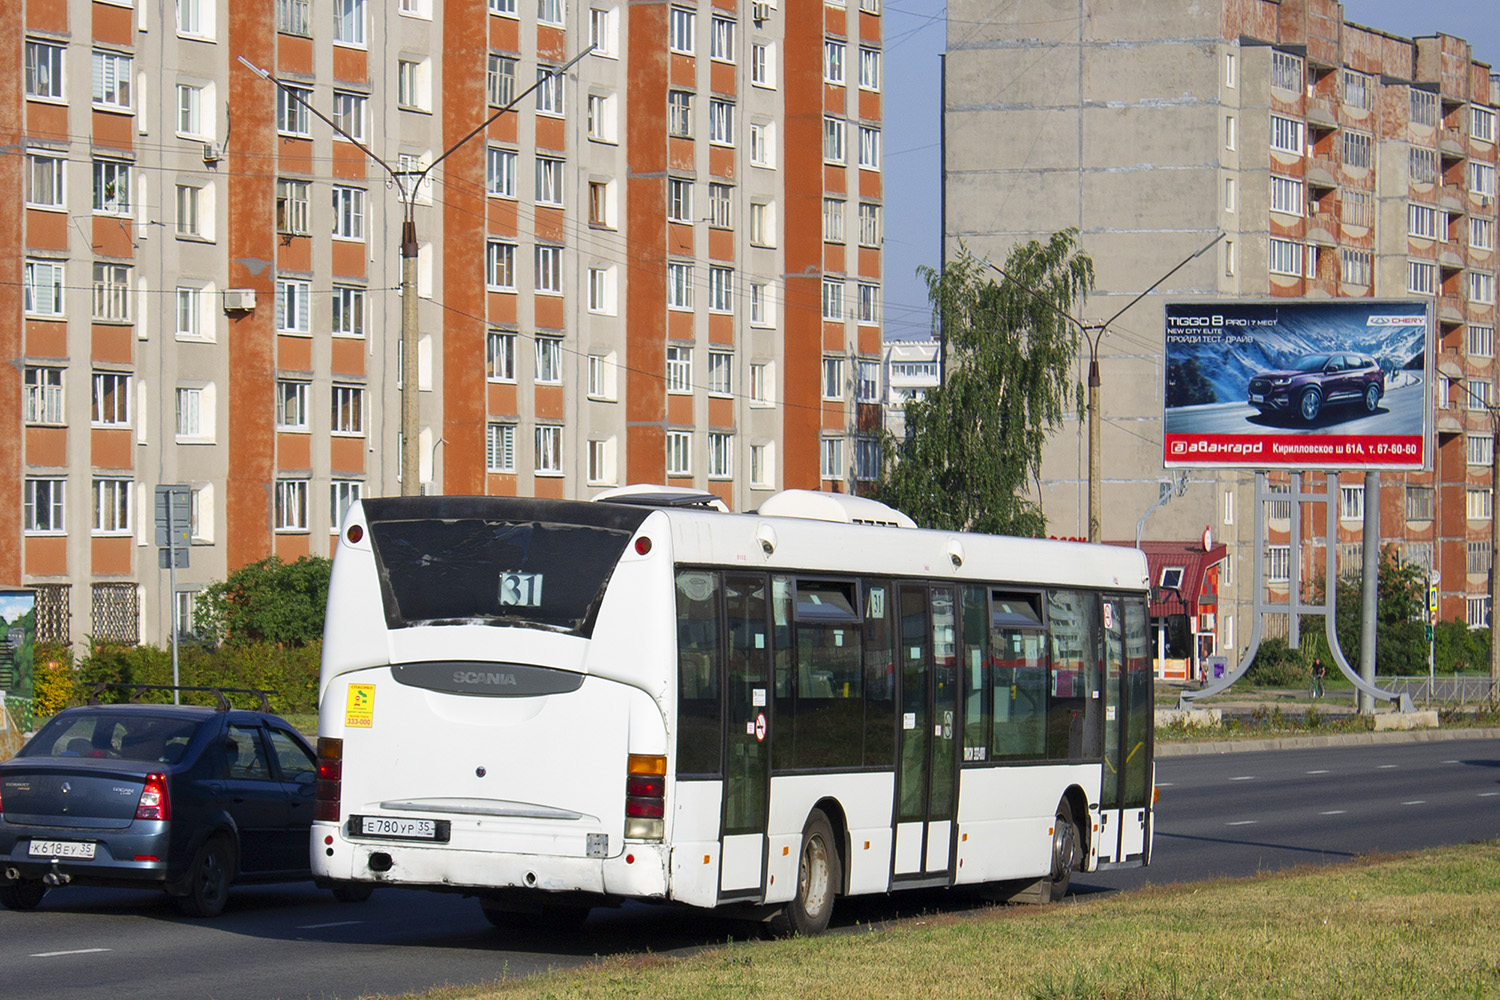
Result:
926,781
747,737
1124,799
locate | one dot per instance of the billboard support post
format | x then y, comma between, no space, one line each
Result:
1369,595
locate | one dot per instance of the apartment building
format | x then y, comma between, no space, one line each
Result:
1336,159
663,265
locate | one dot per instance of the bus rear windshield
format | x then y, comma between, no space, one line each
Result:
493,568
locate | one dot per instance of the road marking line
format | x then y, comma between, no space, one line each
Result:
1333,812
1244,777
1164,784
1317,772
318,927
1415,802
80,951
1242,822
1389,767
1451,762
1488,795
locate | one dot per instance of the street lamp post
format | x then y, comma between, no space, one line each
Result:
407,183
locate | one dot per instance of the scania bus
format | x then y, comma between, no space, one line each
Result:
554,705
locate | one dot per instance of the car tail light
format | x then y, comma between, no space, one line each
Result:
330,787
154,803
645,797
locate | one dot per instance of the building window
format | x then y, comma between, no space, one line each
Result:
831,458
293,207
1480,449
349,113
1482,287
1481,233
601,117
112,506
348,213
679,369
833,139
410,90
1278,563
500,265
1419,503
549,91
44,395
720,373
1479,559
500,80
43,510
720,455
1421,221
866,459
1424,110
1286,195
869,225
763,64
869,147
1478,393
1355,266
762,145
44,287
720,205
867,388
292,116
189,201
833,299
601,468
549,360
190,407
680,113
720,121
833,378
111,399
762,387
833,220
1357,146
550,12
1478,504
762,224
1421,277
348,311
1482,123
500,356
869,69
349,22
548,278
291,405
1286,134
291,505
679,200
500,172
44,176
1477,610
1285,257
292,308
1481,341
348,413
1286,70
1351,503
112,187
681,28
833,62
761,312
190,111
601,376
679,453
293,17
341,493
112,80
721,39
602,31
679,285
111,292
869,304
1423,165
549,181
549,457
44,70
1357,90
721,289
602,290
761,462
500,448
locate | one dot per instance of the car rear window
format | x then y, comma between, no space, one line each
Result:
114,736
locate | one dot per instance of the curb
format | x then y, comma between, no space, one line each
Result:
1250,744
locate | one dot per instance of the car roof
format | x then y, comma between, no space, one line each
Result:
198,712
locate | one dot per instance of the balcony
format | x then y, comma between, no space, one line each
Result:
1450,309
1322,173
1451,198
1452,144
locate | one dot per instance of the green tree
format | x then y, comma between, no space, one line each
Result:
1456,647
267,602
974,444
1400,637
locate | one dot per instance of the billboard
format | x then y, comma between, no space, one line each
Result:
1337,384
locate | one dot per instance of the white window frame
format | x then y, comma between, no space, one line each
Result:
113,78
1287,135
869,68
833,299
113,505
45,75
1285,257
44,506
500,447
835,147
44,281
679,369
682,29
346,412
348,213
679,285
500,172
112,292
293,305
548,277
293,206
720,455
549,180
834,53
500,356
869,147
43,390
292,116
549,360
290,513
46,179
350,23
833,378
720,289
293,402
500,79
720,121
679,453
500,265
549,450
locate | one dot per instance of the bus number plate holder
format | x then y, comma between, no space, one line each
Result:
399,828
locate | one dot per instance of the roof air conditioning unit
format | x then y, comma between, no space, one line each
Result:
210,153
239,300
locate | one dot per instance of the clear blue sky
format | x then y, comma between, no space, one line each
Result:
915,34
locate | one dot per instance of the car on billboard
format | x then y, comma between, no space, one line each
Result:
1314,381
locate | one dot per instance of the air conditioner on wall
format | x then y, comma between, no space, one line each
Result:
239,300
760,12
210,153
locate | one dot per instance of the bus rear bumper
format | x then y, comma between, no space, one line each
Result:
638,871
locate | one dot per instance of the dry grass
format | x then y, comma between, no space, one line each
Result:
1420,926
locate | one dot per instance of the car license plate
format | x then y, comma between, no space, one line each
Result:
1255,398
391,826
62,849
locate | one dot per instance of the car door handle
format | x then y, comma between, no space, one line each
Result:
239,800
216,787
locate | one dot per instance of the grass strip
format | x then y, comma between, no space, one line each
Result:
1417,926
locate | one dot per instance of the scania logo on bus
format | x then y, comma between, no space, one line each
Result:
476,678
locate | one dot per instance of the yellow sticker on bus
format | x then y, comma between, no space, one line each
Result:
359,708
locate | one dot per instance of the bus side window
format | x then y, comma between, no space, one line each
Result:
1073,627
699,617
973,628
1018,671
880,678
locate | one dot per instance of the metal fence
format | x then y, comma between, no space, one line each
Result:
1453,691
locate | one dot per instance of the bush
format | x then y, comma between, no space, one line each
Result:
54,680
289,673
1276,664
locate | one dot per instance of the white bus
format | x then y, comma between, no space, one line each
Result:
553,705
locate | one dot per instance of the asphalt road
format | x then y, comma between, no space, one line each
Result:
1235,814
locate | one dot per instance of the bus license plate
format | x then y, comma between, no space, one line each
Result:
62,849
390,826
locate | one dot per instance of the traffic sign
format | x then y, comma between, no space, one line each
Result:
174,504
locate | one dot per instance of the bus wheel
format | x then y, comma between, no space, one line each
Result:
1066,851
818,878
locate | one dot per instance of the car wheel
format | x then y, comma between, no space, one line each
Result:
1309,404
352,892
1372,398
22,894
818,880
208,879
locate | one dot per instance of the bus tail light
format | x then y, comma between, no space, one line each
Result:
329,789
153,803
645,797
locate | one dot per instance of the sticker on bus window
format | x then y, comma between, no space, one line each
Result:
520,590
359,707
758,697
909,720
